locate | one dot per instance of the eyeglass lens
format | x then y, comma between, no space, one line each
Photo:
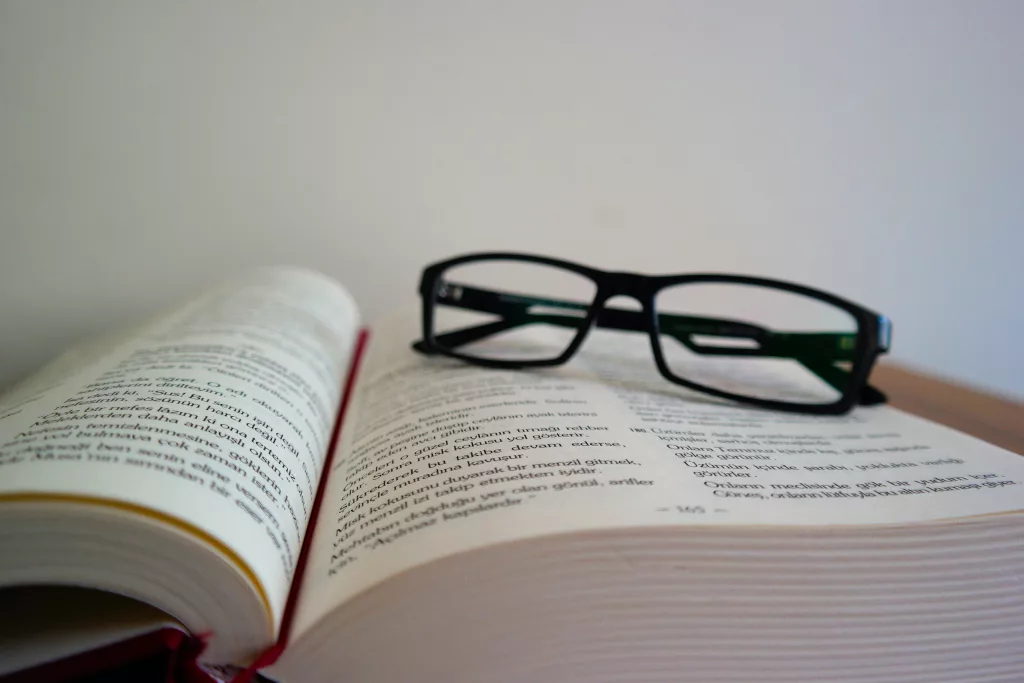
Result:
757,342
510,310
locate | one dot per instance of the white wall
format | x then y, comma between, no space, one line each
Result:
872,148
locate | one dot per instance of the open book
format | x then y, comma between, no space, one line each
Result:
585,523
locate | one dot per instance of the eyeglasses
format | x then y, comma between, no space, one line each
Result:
764,342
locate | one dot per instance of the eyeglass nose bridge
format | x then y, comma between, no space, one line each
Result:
632,285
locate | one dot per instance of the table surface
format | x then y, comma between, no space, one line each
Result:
995,419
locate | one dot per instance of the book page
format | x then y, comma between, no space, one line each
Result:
217,414
440,457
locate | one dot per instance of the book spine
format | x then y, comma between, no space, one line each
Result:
270,655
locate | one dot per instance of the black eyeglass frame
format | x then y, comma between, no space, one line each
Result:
874,331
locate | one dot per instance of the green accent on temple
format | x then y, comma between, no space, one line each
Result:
819,352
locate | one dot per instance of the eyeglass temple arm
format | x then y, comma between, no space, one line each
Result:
817,351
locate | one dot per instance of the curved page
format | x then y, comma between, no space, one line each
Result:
215,416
